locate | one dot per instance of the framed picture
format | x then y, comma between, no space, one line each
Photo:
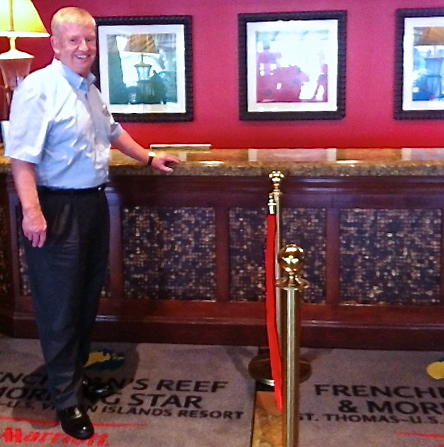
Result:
292,65
144,67
419,68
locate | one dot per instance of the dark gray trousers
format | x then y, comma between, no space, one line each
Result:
66,278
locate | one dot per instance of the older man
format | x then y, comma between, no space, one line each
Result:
59,140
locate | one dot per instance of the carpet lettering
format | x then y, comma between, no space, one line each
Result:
165,397
181,398
142,397
18,436
378,404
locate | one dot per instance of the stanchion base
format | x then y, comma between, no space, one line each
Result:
260,369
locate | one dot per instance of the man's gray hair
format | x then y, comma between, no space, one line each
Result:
70,14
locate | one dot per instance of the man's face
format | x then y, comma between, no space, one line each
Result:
75,47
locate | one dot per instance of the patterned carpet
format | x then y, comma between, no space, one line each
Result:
353,397
166,395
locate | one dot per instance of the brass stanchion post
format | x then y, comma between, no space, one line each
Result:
291,259
275,197
259,367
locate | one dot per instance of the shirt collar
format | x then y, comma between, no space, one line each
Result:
76,81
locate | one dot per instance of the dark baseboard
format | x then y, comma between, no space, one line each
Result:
314,334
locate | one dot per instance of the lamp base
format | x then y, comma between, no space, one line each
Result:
5,102
15,66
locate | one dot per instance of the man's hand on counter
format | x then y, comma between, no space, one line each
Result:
164,162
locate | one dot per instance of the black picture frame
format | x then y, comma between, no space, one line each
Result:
419,56
159,86
282,101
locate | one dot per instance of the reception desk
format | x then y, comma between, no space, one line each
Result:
187,250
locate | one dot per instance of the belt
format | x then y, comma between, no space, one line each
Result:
74,191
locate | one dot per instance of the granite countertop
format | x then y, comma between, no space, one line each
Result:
291,162
297,162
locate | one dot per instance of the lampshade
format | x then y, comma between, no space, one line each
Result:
19,18
431,35
141,43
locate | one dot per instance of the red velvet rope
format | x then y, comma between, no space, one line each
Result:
270,308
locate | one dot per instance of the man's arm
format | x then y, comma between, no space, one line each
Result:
126,144
34,223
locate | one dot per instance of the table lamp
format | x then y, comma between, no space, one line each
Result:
18,18
142,44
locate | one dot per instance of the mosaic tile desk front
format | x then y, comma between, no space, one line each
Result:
385,255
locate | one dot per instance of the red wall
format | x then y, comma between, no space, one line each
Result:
369,118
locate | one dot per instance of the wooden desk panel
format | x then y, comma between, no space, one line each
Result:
374,247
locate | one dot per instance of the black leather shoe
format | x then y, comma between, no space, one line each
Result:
75,422
96,390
